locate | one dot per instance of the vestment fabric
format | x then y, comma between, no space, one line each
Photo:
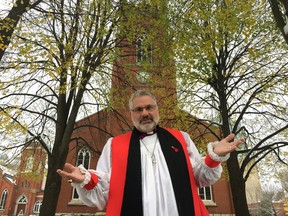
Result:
158,197
177,168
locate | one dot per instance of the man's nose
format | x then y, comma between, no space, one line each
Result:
145,112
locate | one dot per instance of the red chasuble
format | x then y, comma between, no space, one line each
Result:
120,149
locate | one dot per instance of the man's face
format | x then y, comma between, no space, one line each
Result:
145,113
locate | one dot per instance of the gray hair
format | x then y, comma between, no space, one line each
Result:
141,93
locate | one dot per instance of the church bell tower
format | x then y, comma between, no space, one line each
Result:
145,59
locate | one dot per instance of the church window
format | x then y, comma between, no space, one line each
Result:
29,164
3,199
143,51
37,206
83,158
205,193
22,200
20,213
75,195
25,184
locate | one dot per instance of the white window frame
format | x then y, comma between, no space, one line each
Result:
22,200
37,206
3,200
86,153
206,190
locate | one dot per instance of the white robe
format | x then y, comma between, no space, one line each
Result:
157,190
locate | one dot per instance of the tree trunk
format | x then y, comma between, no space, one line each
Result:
237,185
278,16
52,188
56,160
236,180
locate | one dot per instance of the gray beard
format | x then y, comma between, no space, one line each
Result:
147,127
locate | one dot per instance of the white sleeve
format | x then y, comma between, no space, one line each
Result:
203,175
98,196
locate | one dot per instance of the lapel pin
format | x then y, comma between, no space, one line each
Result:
175,149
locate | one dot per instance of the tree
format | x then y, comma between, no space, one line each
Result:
232,75
271,193
280,12
60,64
9,23
62,54
284,180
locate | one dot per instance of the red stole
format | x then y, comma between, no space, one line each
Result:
120,148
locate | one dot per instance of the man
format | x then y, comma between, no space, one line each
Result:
150,171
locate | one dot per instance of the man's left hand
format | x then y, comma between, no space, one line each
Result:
226,145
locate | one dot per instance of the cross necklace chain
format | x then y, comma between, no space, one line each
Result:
152,155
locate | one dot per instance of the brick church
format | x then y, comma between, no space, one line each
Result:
22,191
141,65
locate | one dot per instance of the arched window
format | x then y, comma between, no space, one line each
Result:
21,205
21,213
29,164
83,158
22,200
3,199
144,51
25,184
37,206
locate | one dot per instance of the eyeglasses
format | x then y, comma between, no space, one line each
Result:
148,108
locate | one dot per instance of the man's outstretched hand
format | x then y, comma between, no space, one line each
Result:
226,145
71,173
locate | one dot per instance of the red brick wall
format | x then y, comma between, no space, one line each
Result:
6,184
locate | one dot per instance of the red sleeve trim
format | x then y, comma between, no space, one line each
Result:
210,162
92,183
